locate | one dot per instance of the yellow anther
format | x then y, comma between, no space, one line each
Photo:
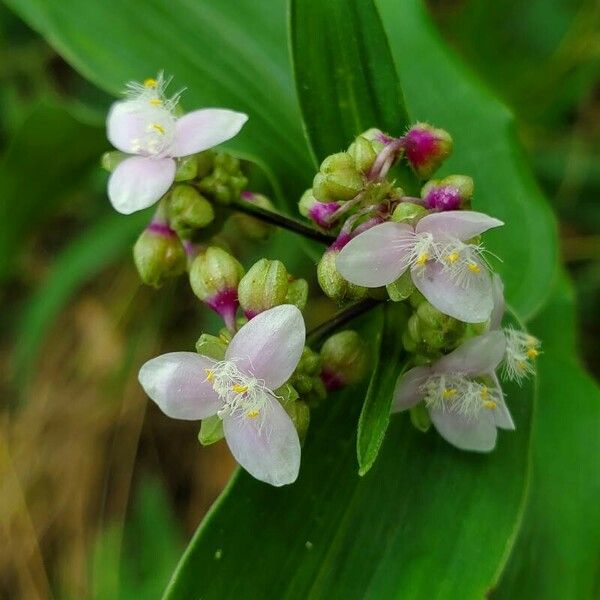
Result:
239,389
422,258
474,267
252,414
448,393
155,102
158,127
532,353
489,404
210,375
150,83
484,392
521,366
452,257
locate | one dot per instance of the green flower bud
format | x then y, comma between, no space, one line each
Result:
337,179
416,298
377,138
211,346
211,430
408,212
344,358
297,293
158,255
110,160
226,181
205,162
333,284
431,316
264,286
251,227
188,210
297,410
187,168
414,328
419,417
402,288
407,341
300,415
310,362
363,154
214,271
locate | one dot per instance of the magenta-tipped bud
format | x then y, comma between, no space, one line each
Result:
214,277
426,148
451,193
318,212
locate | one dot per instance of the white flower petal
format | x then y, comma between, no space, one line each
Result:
138,182
498,301
266,445
408,388
470,303
269,346
177,383
460,224
378,256
125,124
479,355
501,414
205,128
477,433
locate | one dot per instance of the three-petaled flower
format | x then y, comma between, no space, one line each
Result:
146,125
445,267
260,358
461,392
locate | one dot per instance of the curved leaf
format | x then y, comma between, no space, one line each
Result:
556,554
346,82
413,527
375,415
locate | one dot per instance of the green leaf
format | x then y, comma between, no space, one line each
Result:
346,82
375,415
45,161
111,43
438,88
95,248
423,509
555,556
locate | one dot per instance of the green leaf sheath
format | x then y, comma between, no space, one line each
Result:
346,82
439,88
375,415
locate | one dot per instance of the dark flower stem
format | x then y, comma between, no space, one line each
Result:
340,318
279,220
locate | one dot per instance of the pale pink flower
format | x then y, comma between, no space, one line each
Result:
146,126
445,267
461,392
260,358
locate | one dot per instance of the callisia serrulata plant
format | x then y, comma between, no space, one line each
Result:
417,247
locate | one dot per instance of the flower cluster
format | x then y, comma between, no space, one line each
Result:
425,250
256,382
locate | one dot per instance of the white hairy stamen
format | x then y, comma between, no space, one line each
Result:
521,351
242,395
463,262
456,393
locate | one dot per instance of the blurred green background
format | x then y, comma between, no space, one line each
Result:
95,485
